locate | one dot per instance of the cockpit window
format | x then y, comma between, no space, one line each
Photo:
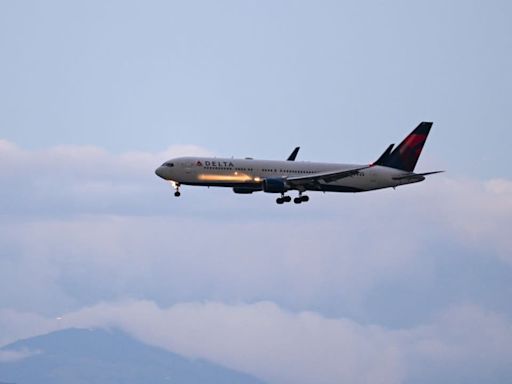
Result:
169,164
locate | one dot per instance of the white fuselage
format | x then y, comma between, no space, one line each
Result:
249,173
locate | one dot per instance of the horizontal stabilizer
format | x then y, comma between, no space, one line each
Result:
414,176
430,173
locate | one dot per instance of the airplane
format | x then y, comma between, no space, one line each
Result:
245,176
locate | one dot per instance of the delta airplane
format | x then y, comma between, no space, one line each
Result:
392,169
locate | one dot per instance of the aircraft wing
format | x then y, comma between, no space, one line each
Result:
326,177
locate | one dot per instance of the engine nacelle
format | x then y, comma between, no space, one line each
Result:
275,185
246,190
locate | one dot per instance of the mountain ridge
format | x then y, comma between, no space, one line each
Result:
100,356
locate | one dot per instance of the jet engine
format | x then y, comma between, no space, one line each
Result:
275,185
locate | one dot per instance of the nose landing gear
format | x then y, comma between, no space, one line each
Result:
176,187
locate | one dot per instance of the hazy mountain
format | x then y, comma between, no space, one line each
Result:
100,357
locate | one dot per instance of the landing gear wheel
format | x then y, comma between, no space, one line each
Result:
177,193
287,199
280,200
297,200
304,198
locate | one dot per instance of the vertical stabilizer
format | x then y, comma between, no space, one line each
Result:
406,155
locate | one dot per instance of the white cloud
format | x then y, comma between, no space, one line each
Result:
80,179
464,343
478,213
87,160
81,212
17,325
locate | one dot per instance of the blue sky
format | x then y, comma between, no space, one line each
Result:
399,286
244,78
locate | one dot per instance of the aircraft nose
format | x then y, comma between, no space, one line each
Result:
160,172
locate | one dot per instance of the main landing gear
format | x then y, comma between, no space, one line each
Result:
301,199
286,199
283,199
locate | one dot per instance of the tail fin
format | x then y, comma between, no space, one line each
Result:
406,155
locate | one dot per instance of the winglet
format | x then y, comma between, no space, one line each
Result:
383,158
293,155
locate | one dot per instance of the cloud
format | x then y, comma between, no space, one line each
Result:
147,256
80,179
87,160
260,338
462,342
17,325
479,213
81,213
89,180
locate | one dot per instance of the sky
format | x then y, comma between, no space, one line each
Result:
396,286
